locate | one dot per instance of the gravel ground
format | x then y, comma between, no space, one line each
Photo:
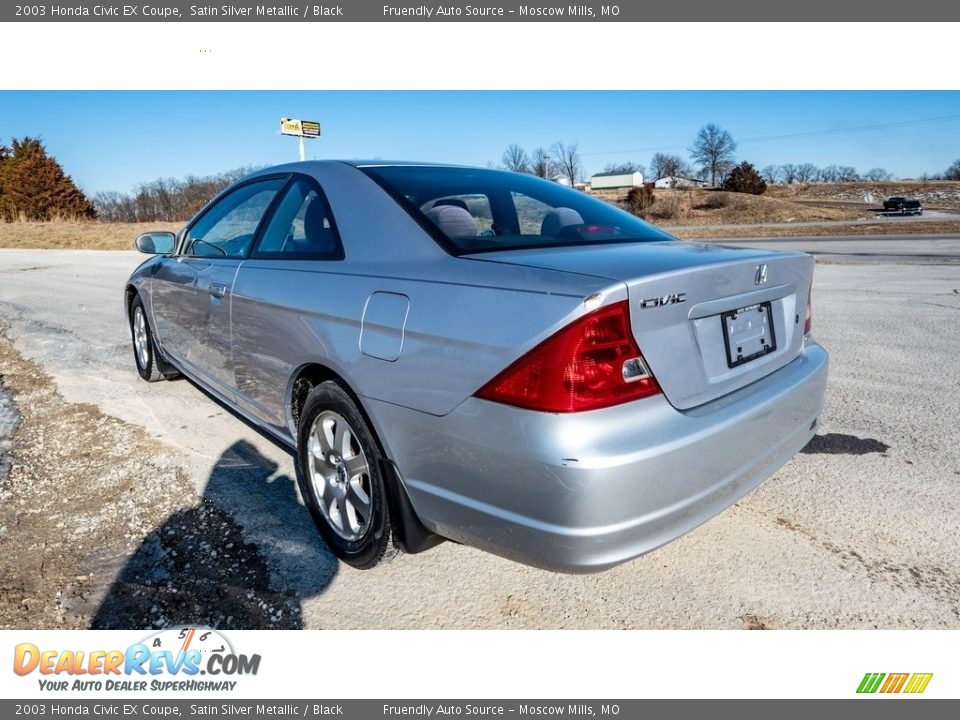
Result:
135,505
100,528
9,421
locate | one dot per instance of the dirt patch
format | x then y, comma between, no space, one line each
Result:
754,622
99,527
929,579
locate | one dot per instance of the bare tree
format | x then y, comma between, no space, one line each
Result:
567,159
772,174
663,165
847,173
541,163
713,151
625,168
829,174
807,172
515,158
953,172
877,174
788,172
689,171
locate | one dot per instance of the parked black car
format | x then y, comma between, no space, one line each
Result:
911,207
894,203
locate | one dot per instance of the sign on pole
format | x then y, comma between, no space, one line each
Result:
301,129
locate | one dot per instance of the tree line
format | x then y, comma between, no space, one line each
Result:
34,187
558,160
712,158
164,199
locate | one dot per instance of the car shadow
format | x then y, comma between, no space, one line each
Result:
243,558
841,444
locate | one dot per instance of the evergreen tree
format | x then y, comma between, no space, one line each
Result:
744,178
33,185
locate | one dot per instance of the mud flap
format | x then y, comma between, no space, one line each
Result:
408,531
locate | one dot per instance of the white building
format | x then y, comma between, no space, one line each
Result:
677,181
608,181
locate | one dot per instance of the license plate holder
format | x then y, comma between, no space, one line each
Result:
748,333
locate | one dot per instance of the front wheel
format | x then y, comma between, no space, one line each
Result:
341,477
144,350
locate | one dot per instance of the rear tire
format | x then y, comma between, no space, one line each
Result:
144,348
341,478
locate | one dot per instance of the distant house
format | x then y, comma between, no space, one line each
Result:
610,181
677,181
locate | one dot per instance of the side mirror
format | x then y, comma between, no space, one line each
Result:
156,243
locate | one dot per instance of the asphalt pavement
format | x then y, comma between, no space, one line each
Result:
861,530
941,249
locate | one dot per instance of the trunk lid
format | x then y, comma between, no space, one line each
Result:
683,300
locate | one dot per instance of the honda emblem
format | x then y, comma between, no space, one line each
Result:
761,277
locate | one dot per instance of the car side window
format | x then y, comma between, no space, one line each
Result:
301,228
227,229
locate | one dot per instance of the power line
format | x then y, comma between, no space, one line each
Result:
858,128
790,136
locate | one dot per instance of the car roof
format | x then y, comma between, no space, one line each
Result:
390,163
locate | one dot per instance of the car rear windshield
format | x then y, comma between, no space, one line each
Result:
472,210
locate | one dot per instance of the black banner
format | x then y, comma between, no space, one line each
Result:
458,11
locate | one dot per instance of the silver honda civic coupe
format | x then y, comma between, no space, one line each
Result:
484,356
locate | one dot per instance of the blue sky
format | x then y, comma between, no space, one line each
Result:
112,140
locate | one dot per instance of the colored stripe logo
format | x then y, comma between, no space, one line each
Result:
913,683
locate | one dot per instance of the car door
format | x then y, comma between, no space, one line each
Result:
290,262
192,290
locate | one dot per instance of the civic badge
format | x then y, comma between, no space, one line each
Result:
761,277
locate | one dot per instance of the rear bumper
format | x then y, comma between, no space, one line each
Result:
586,491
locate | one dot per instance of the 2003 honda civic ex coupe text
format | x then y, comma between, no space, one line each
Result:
484,356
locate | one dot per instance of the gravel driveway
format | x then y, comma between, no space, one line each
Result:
136,505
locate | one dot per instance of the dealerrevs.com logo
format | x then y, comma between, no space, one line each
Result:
182,653
910,683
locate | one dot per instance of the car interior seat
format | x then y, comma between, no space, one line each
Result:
454,202
454,221
557,219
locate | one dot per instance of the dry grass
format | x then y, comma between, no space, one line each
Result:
933,193
76,235
709,207
672,208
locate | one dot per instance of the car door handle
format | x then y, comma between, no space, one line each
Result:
218,290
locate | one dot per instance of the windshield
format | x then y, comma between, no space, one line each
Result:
471,210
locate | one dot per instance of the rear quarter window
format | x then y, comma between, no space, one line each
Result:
473,210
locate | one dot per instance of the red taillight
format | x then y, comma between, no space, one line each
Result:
808,322
592,363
